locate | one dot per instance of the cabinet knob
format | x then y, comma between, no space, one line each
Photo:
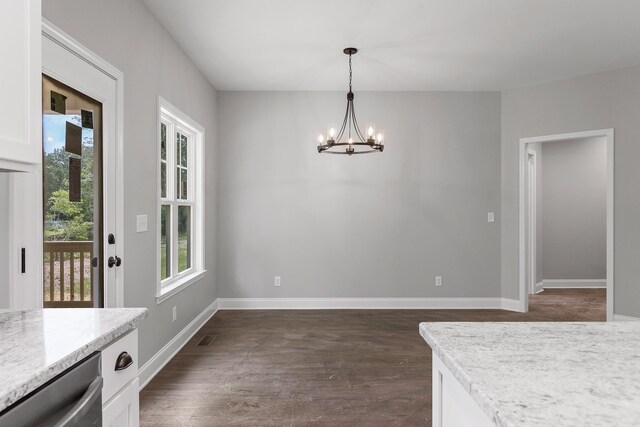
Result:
124,361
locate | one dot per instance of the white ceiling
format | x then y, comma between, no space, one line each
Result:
404,44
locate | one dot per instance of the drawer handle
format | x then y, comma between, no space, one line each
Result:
124,361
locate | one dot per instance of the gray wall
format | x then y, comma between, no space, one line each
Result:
574,210
4,235
130,38
604,100
377,225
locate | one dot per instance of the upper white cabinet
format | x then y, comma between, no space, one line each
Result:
20,85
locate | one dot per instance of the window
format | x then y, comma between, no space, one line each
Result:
180,206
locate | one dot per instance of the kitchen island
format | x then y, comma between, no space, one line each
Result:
38,345
535,374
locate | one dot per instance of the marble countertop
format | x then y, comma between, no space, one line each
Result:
37,345
545,374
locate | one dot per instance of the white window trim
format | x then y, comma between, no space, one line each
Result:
169,287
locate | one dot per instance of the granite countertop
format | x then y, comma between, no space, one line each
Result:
37,345
545,374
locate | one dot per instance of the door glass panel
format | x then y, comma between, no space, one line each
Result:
184,238
72,197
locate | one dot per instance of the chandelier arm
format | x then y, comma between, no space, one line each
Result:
350,104
344,124
356,126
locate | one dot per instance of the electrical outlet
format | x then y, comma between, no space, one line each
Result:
438,280
175,313
276,281
490,217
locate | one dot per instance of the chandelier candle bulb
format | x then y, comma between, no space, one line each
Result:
331,133
371,130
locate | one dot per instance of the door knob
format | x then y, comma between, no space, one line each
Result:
117,261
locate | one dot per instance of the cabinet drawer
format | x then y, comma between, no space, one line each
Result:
114,379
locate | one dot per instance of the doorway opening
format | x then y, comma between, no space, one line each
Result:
571,214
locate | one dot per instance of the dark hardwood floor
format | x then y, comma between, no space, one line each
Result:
321,367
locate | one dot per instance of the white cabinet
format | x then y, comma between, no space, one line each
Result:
123,409
20,85
452,405
120,404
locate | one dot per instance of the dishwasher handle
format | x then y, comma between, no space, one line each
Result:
93,393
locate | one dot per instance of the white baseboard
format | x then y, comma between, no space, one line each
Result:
623,318
574,283
512,305
365,303
166,353
539,287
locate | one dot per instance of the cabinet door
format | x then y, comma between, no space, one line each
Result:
123,410
20,86
452,405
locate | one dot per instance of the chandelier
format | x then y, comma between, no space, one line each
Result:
349,139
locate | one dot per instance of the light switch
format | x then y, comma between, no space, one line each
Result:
141,223
490,217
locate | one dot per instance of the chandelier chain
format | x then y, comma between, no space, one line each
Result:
350,74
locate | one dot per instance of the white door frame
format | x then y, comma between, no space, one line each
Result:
113,162
531,220
523,155
28,293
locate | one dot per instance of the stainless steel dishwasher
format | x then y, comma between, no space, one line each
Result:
73,398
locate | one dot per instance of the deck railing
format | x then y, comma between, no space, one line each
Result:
68,275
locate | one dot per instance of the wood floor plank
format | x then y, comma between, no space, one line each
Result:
321,367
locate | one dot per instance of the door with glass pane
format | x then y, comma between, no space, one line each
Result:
72,197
